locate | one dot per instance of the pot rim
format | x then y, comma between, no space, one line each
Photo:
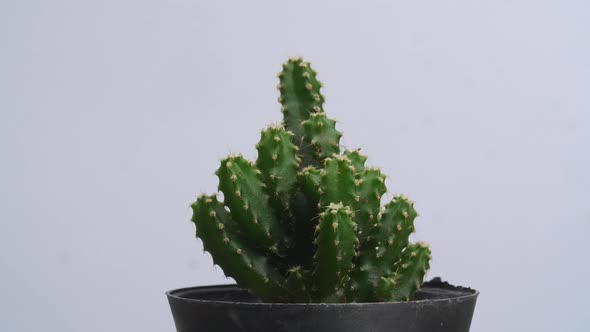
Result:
436,284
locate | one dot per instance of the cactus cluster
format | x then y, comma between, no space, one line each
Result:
303,223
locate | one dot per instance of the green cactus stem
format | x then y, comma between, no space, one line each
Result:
335,241
391,233
245,194
307,217
370,190
408,276
321,135
337,182
278,163
236,259
383,246
357,158
300,95
297,284
310,180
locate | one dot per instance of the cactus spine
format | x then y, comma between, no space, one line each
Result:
303,223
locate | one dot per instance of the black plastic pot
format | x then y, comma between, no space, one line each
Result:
438,307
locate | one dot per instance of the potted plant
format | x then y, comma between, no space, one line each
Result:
302,232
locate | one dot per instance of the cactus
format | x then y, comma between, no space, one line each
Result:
303,223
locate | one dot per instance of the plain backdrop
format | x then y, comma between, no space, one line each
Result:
114,115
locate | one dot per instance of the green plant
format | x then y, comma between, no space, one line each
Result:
303,223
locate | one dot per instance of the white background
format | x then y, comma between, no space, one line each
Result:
114,115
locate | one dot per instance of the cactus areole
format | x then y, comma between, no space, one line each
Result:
304,222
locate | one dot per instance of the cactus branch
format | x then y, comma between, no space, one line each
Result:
310,180
357,158
408,276
245,195
370,190
321,136
297,284
300,95
390,235
278,163
383,246
337,182
237,260
335,249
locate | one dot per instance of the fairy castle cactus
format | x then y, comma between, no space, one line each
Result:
303,223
